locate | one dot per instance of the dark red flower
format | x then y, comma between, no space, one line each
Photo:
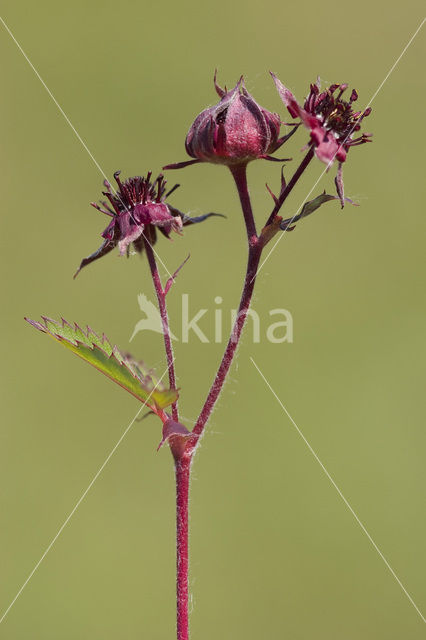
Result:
234,131
330,119
332,122
137,209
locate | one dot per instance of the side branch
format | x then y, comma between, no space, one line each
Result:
220,378
161,298
286,192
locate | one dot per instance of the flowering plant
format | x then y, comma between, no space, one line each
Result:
234,132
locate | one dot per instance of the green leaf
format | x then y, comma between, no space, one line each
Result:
122,369
313,205
309,208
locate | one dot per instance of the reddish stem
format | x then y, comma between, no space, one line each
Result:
161,298
182,467
255,251
239,173
183,457
182,472
183,461
295,177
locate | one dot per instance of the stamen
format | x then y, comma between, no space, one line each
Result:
113,202
118,181
172,190
107,211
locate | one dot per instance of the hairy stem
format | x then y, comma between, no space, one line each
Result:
161,298
254,253
183,462
182,472
288,188
239,173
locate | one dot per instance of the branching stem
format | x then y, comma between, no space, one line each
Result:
289,187
183,464
183,461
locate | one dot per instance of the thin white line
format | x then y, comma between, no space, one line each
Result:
95,477
79,138
398,59
331,161
339,492
53,98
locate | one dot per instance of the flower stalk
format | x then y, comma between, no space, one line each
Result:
183,467
183,458
161,299
239,174
292,182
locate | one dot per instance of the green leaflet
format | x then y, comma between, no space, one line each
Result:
122,369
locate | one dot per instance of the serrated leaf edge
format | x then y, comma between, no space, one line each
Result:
115,354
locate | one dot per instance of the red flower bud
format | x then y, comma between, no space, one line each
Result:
234,131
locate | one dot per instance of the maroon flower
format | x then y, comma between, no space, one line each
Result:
331,120
234,131
137,209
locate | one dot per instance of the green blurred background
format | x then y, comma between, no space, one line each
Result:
275,552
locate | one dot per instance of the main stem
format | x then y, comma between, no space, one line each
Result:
184,458
183,461
254,252
182,465
182,473
161,298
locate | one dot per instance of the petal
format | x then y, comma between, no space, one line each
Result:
154,213
326,146
129,232
310,121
